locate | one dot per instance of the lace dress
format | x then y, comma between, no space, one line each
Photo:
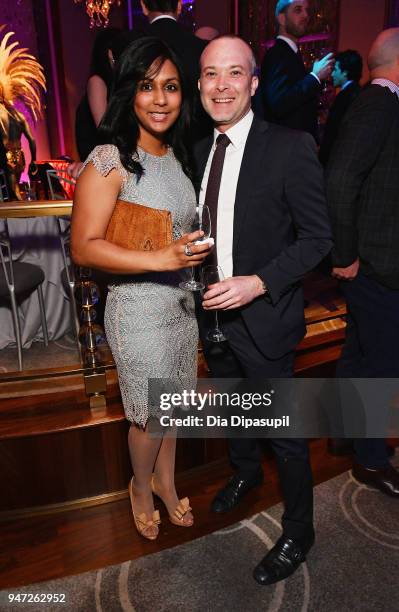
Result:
149,321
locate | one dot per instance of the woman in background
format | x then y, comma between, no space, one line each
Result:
150,322
94,103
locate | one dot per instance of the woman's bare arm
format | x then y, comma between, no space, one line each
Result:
97,97
94,202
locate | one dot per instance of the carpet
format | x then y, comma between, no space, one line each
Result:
352,567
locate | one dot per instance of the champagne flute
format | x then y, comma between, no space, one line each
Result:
202,221
210,276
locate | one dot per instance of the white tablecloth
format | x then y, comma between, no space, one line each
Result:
36,240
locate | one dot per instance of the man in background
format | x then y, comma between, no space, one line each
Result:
289,94
362,193
163,19
346,75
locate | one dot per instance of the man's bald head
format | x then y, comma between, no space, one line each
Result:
384,52
244,47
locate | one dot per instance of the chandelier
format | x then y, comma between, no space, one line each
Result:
98,11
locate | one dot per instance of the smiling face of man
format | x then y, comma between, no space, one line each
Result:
226,81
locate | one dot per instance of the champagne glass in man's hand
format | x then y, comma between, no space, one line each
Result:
210,276
202,221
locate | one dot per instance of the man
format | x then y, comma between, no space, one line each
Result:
163,16
271,227
346,75
290,96
362,193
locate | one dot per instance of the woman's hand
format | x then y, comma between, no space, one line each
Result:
174,257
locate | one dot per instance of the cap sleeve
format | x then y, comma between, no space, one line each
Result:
106,158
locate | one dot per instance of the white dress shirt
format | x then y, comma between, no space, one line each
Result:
163,17
346,84
238,135
289,42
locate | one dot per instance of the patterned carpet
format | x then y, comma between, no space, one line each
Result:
353,566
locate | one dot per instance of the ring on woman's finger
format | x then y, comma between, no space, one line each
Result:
188,251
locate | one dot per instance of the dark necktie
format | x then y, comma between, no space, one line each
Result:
213,187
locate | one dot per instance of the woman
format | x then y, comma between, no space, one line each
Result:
149,320
94,103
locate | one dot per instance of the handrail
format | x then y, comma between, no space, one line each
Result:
35,208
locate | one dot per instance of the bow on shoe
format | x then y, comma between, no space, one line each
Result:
182,508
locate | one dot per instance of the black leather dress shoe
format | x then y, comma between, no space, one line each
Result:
385,479
228,497
282,560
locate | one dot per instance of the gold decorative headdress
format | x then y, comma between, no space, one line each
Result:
21,76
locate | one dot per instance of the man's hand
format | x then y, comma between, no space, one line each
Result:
233,293
348,273
323,67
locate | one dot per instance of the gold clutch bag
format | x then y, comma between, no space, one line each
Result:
138,227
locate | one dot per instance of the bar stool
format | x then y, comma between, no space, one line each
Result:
19,278
68,280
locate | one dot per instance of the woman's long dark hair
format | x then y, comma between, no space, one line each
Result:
143,58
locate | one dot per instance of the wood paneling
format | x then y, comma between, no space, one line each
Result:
42,548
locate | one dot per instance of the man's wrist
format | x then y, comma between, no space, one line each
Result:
316,77
261,285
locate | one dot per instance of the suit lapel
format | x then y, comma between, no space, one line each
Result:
249,169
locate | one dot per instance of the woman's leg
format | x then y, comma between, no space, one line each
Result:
164,478
143,450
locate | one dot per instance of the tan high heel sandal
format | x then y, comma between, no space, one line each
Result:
141,521
180,511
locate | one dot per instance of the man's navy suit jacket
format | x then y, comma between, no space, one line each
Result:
281,228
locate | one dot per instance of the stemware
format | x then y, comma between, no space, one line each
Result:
210,276
202,221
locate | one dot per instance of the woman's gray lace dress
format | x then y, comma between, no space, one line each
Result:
149,321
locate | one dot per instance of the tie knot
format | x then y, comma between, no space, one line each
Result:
223,141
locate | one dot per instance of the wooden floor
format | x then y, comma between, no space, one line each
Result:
42,548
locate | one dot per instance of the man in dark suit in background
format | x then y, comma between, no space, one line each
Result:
362,193
264,187
346,75
290,95
163,16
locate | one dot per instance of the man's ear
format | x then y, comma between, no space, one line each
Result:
281,20
179,8
199,84
144,8
254,85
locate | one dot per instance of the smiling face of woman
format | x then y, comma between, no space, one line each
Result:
157,103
